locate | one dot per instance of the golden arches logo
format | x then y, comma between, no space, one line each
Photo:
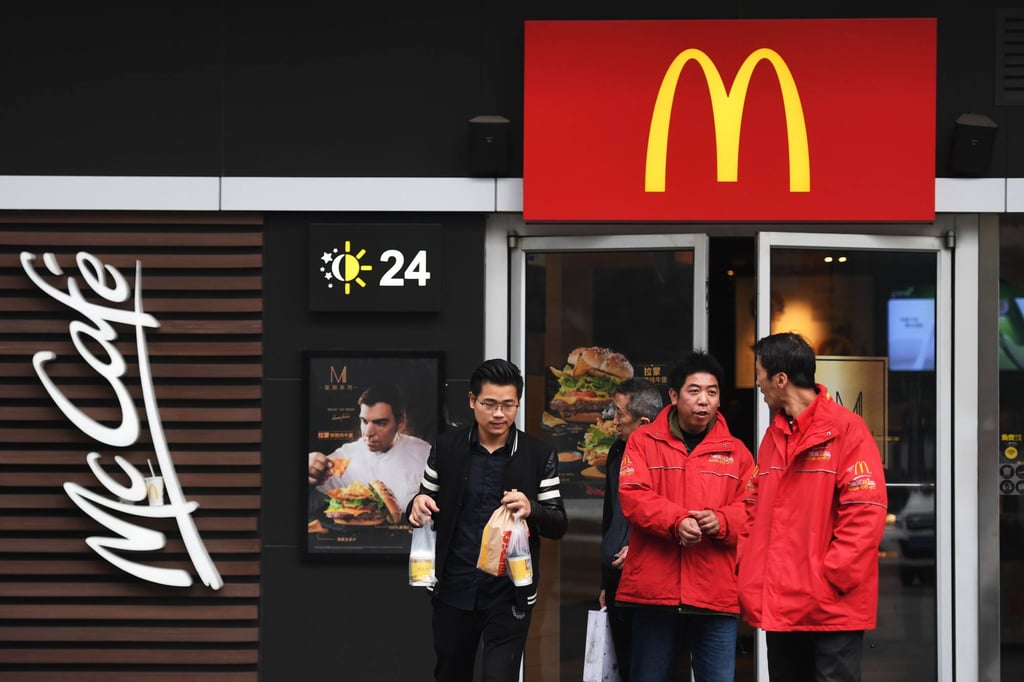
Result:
861,468
727,109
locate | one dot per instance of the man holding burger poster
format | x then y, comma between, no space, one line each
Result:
379,472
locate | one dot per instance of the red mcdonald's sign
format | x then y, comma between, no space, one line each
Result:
749,120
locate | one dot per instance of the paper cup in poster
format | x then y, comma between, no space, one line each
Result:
371,418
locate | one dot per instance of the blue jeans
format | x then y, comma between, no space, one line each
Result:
659,634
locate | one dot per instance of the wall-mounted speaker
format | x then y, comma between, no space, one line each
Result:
489,146
974,137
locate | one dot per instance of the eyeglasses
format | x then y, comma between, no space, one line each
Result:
495,406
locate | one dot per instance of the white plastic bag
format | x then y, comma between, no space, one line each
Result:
421,556
520,563
599,664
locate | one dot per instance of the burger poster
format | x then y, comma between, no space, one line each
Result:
578,419
371,417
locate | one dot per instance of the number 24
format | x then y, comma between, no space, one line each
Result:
417,269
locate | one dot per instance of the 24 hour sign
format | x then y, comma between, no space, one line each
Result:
364,267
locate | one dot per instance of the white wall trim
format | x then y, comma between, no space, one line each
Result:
509,195
359,194
473,195
1015,195
108,193
496,283
972,195
965,456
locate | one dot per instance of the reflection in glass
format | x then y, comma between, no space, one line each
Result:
637,304
1010,458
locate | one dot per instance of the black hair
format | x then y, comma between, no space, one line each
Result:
385,393
694,362
790,353
644,397
498,372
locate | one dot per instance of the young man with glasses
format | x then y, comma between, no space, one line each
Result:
469,473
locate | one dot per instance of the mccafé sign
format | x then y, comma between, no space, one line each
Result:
101,304
751,120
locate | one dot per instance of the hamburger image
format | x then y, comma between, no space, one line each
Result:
362,504
597,440
587,382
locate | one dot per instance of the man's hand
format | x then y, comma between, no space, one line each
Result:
423,507
707,520
319,469
600,599
517,503
689,532
620,557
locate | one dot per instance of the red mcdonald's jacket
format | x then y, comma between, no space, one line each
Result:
808,558
659,483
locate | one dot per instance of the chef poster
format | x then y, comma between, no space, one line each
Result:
371,418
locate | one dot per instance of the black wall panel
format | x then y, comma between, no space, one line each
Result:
353,91
110,89
966,84
303,634
348,90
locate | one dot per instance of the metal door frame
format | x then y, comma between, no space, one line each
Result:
521,247
959,598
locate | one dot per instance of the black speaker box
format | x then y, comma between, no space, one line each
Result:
489,145
974,139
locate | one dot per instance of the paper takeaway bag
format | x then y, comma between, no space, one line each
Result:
599,664
494,543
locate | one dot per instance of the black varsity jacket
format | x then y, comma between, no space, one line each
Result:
533,470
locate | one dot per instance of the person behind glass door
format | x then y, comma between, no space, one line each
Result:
470,471
808,556
681,485
636,402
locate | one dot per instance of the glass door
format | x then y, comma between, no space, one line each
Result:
877,309
640,299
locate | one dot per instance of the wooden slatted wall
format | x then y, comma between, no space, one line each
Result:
65,612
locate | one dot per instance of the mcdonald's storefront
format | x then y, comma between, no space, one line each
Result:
760,190
684,182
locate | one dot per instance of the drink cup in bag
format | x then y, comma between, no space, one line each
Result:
421,555
520,563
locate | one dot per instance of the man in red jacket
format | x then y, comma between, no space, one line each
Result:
808,559
681,485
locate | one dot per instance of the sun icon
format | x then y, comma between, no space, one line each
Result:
344,267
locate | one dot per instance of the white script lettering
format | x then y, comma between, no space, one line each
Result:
108,283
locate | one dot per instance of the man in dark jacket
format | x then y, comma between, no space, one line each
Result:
470,472
636,402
